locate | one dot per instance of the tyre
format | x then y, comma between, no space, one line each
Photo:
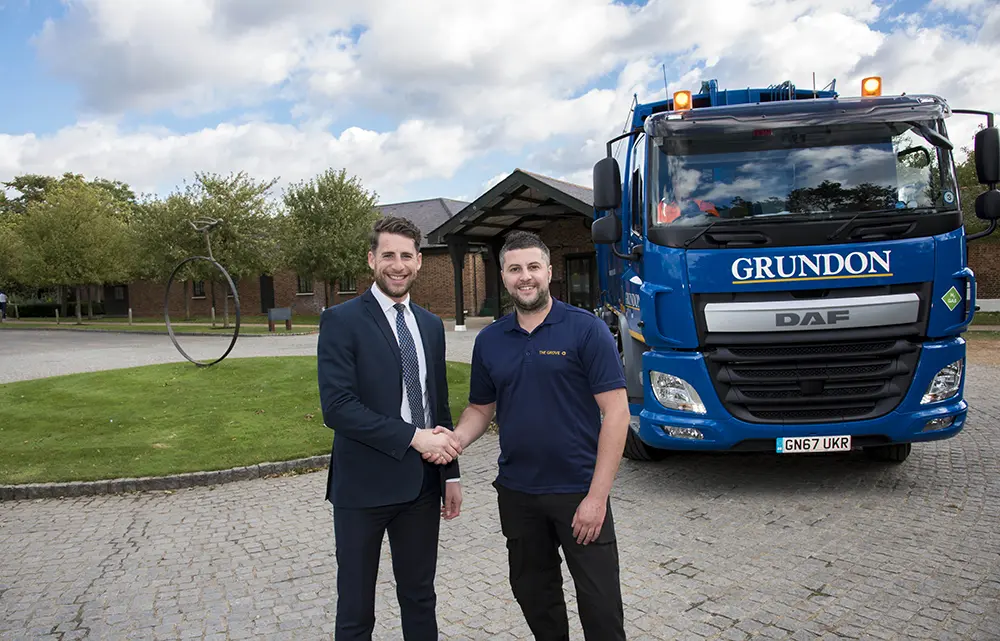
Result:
895,453
636,450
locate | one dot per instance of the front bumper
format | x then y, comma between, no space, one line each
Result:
721,431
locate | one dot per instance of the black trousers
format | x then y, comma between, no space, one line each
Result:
413,540
535,526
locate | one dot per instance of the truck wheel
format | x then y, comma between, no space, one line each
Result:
636,450
895,453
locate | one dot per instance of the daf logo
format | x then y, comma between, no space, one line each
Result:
832,317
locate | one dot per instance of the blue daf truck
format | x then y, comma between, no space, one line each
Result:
785,269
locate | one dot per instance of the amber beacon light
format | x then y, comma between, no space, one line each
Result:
871,86
682,100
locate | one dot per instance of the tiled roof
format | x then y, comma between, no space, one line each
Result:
581,193
427,215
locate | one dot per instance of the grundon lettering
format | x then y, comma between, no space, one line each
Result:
812,266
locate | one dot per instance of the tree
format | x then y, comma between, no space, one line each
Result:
75,236
831,196
34,188
31,187
245,243
9,253
325,230
164,237
969,189
121,193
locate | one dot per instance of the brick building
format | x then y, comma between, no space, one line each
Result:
434,288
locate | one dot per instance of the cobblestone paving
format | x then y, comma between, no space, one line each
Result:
725,547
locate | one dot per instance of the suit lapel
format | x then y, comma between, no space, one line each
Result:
375,311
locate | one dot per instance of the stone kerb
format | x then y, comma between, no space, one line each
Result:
31,491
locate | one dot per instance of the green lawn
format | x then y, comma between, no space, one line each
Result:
986,318
164,419
178,319
161,328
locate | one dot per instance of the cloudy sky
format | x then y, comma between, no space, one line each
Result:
436,97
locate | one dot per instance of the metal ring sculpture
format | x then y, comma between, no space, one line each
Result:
204,226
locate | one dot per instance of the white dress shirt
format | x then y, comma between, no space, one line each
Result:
390,312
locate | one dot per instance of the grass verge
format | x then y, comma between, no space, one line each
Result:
161,328
166,419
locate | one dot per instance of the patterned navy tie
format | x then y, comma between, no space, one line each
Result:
411,368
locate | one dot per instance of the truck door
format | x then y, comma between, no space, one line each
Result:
636,224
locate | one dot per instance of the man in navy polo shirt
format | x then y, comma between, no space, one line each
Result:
550,371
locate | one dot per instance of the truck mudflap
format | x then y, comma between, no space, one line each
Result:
910,421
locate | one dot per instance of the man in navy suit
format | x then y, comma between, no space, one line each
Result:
383,386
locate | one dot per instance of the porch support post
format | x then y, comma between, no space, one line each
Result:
495,246
458,248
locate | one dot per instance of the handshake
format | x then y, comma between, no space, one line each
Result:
438,445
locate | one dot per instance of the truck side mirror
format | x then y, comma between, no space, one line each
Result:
988,203
607,184
608,230
987,157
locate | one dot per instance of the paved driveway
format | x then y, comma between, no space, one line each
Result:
713,547
27,354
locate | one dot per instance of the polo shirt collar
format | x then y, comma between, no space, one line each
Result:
384,301
556,315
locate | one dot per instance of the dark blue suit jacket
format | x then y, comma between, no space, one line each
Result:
360,387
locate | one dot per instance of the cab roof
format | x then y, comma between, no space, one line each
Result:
811,112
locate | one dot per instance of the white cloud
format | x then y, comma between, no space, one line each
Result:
463,78
188,55
157,161
495,180
959,6
936,61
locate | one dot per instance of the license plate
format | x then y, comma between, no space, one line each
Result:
803,444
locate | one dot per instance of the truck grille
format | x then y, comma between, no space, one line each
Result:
813,382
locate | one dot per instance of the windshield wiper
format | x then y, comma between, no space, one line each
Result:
931,136
877,211
841,228
727,221
701,233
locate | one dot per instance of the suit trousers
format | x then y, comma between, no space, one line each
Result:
413,540
535,526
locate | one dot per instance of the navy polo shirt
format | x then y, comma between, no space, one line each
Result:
544,385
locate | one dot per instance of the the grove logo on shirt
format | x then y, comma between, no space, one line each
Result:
819,266
551,352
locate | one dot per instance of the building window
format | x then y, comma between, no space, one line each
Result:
348,285
305,284
119,292
198,289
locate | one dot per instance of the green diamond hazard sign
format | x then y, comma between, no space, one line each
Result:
952,298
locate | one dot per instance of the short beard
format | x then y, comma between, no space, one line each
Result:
386,286
540,302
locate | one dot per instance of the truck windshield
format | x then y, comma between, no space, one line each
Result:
819,171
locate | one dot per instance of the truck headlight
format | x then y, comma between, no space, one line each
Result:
675,393
945,384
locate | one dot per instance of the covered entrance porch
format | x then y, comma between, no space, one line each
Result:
559,212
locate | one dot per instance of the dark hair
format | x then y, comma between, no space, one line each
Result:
395,225
522,240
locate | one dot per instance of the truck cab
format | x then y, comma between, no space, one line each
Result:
785,270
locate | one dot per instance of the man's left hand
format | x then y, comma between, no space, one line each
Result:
588,519
452,500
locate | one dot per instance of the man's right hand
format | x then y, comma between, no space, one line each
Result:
437,445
